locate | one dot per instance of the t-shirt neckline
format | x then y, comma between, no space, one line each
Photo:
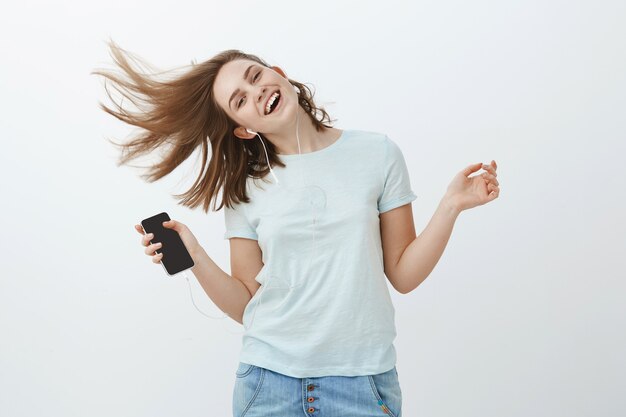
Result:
319,151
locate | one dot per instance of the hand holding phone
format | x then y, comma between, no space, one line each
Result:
170,244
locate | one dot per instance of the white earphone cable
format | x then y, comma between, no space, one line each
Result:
265,285
311,257
194,303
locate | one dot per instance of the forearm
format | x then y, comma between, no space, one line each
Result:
420,257
228,293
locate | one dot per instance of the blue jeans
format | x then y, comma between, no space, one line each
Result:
260,392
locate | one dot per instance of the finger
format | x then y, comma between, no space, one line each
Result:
490,179
146,239
139,229
153,247
493,188
174,225
490,169
472,168
157,258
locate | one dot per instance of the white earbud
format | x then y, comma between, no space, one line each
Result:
266,155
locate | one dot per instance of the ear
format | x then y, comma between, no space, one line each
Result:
280,71
241,133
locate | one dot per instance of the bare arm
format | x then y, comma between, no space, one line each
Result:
409,259
228,293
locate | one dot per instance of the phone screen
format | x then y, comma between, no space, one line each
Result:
175,258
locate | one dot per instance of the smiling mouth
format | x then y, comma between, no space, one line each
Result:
275,102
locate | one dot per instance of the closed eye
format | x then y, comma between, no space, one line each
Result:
256,76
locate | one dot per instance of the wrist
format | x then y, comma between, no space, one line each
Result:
196,253
450,204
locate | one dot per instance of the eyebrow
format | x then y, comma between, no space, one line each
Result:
245,77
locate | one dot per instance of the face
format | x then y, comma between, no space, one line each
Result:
243,88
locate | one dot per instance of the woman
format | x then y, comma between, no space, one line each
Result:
316,218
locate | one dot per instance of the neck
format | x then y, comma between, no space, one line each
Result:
311,140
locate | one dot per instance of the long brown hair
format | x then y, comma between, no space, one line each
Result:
182,112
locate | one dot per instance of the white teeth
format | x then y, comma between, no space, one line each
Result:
270,102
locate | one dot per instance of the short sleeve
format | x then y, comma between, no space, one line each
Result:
237,225
397,185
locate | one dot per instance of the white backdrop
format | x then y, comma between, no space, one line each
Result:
524,315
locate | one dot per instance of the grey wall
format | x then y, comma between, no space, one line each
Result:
524,314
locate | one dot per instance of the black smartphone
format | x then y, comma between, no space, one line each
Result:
175,258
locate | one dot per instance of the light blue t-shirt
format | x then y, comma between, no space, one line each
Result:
324,306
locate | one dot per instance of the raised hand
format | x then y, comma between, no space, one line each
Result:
467,192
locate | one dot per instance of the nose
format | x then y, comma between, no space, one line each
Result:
261,95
